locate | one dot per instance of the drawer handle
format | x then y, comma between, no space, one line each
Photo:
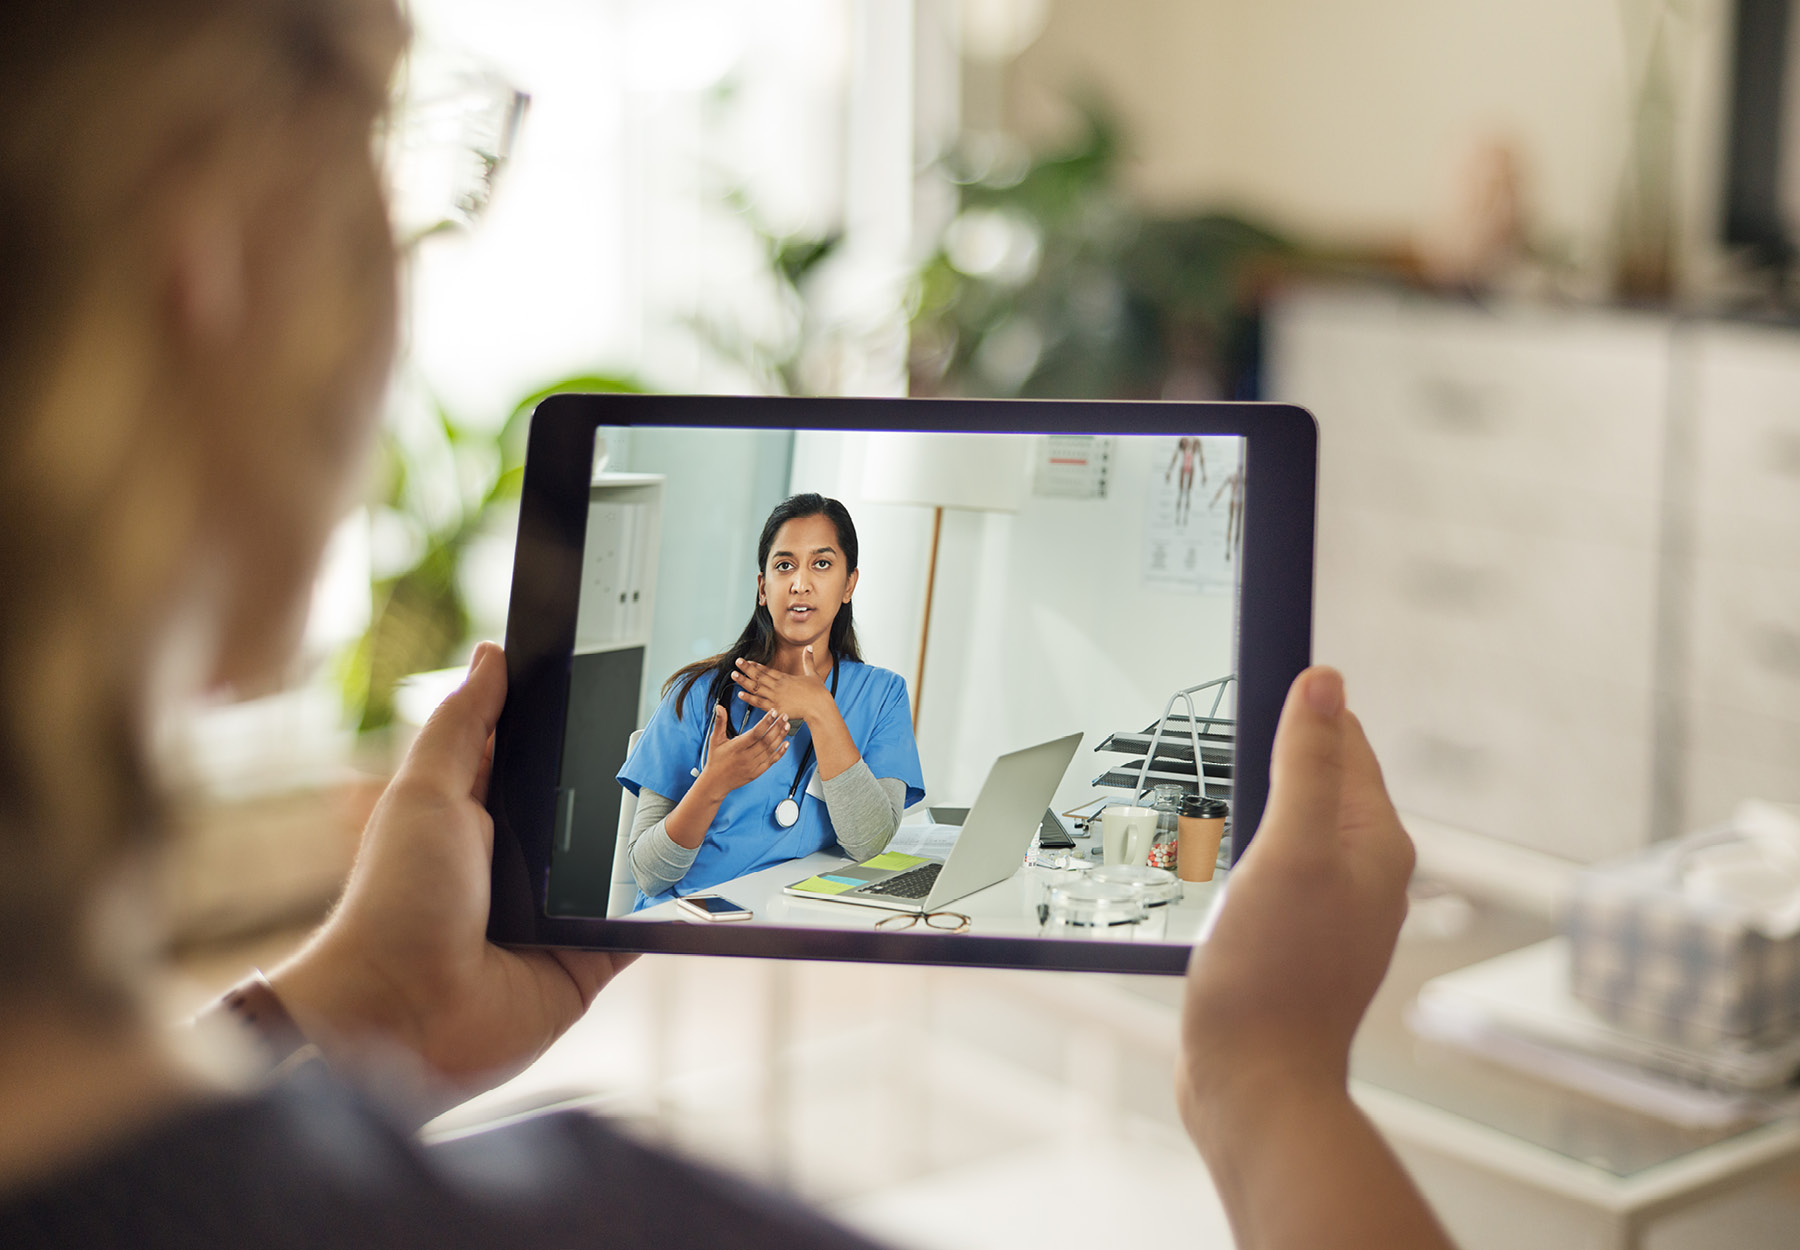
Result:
1443,585
1777,649
1445,759
1783,448
1455,407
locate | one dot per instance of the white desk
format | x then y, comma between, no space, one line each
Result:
1006,909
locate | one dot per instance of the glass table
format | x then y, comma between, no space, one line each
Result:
1629,1168
1620,1169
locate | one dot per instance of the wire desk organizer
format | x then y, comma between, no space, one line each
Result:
1202,764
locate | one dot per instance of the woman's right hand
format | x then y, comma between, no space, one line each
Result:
733,762
1275,995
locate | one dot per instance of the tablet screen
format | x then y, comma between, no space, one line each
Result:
997,622
952,681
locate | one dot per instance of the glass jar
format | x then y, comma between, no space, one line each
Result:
1094,910
1166,801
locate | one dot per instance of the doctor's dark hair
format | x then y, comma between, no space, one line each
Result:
757,642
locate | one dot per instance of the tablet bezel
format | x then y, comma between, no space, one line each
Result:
1274,635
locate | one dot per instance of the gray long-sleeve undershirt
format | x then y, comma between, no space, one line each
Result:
865,810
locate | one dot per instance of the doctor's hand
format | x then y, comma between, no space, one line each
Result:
404,960
803,697
734,762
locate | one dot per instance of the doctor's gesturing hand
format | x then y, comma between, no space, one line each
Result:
733,762
798,696
801,696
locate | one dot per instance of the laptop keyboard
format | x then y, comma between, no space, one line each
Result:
913,883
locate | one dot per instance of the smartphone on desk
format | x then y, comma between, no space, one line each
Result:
713,907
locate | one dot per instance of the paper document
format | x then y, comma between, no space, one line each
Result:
931,841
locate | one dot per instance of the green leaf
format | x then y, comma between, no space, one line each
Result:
511,438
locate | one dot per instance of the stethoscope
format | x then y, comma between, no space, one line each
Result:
787,812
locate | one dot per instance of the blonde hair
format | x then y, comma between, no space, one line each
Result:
112,114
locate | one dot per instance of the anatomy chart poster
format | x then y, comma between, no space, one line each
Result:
1194,514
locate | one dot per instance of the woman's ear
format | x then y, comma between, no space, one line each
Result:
207,285
762,597
850,584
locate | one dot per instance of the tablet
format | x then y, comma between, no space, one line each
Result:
983,612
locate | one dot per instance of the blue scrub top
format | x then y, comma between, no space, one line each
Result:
744,836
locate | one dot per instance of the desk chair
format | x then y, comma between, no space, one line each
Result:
624,885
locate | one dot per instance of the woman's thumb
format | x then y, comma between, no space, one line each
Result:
1307,768
452,742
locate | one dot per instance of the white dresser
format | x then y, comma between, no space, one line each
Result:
1559,557
1740,729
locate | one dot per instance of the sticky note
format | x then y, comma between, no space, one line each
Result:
895,860
820,885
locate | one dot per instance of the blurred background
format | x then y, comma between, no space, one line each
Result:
1527,261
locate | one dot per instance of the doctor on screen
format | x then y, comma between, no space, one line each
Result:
783,745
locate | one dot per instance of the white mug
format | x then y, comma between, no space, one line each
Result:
1126,833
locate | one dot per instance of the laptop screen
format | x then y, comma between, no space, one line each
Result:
791,645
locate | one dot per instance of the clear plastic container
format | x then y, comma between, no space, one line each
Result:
1041,878
1156,886
1091,910
1159,886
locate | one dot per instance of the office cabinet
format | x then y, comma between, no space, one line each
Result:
1740,575
612,633
1558,557
1489,535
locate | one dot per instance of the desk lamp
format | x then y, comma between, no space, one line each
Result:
975,472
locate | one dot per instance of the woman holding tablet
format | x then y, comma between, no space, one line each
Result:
785,744
197,293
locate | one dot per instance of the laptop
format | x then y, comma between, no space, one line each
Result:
991,847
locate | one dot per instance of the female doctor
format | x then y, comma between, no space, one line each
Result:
783,745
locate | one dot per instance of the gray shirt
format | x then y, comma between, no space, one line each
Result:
864,809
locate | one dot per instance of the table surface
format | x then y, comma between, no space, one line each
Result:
1569,1126
1008,908
1572,1128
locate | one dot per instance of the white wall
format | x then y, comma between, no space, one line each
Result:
1347,119
610,239
538,289
721,487
1041,624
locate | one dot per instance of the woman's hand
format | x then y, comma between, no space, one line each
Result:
803,697
1311,915
1275,995
734,762
405,960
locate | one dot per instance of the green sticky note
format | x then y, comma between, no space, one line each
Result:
894,859
819,885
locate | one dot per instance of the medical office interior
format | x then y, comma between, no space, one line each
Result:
1132,652
1528,262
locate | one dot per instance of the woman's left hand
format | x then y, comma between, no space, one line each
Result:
405,959
797,697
